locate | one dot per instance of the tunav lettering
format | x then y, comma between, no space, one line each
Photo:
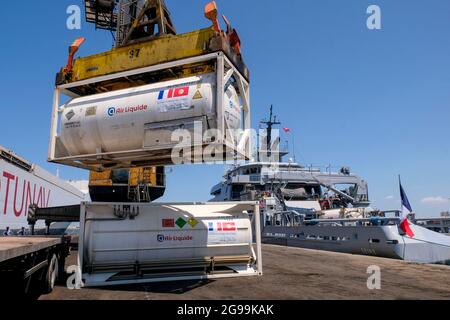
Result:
25,194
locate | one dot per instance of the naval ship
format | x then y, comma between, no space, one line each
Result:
319,209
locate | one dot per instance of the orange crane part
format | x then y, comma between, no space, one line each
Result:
211,13
73,49
232,36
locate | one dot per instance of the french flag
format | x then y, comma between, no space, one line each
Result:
173,93
406,211
227,226
222,226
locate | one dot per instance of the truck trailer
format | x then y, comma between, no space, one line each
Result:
30,266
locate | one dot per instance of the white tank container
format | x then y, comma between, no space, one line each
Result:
143,117
164,233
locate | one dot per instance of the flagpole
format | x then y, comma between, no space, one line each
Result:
406,206
399,187
293,147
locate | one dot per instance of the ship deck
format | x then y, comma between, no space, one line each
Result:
292,274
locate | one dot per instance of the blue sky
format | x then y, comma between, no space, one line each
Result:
377,101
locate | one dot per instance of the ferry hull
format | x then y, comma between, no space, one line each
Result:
25,184
382,241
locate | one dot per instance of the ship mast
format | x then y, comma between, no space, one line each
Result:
269,126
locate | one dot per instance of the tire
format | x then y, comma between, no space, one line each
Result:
51,275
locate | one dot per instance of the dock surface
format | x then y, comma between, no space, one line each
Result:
13,247
292,274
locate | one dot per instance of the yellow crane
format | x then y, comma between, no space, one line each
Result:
127,185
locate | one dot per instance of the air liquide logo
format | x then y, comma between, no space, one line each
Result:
118,111
111,111
173,238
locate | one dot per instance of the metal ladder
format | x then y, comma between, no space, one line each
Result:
141,192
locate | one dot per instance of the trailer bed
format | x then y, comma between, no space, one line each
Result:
14,247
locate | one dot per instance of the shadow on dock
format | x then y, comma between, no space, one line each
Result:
175,288
164,288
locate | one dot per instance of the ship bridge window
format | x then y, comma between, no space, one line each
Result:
249,171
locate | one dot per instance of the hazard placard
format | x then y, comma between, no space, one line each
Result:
197,95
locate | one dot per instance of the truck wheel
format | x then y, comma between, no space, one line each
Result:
51,275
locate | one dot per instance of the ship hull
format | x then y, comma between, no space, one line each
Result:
25,184
381,241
